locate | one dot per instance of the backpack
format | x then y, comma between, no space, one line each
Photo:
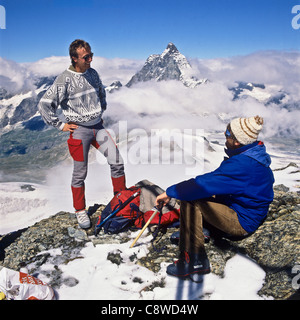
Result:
125,214
169,215
137,211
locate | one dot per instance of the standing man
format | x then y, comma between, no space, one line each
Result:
81,95
234,198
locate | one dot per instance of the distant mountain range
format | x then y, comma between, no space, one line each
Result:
170,65
27,141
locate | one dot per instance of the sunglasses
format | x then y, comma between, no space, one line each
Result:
87,56
228,134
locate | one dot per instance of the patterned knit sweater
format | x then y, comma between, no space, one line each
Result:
81,97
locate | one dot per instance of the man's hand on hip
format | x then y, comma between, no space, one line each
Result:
70,127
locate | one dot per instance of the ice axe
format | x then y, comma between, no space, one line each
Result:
157,209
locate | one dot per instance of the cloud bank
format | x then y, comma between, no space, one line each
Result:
210,106
109,69
169,104
267,67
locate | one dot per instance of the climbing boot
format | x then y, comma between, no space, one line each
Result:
189,264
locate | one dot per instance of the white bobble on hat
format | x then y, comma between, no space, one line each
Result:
246,130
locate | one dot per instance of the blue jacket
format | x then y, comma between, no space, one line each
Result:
243,182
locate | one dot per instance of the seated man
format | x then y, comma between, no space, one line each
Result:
234,198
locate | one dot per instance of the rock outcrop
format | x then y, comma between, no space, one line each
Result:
275,246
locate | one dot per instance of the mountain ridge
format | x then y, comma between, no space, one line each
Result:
170,65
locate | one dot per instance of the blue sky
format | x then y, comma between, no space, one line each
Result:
134,29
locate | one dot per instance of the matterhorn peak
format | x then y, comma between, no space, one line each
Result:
172,48
170,65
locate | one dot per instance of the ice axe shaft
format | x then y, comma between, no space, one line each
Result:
145,226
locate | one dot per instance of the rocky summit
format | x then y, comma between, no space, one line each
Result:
275,246
170,65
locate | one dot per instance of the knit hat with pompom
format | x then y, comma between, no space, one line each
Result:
246,130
